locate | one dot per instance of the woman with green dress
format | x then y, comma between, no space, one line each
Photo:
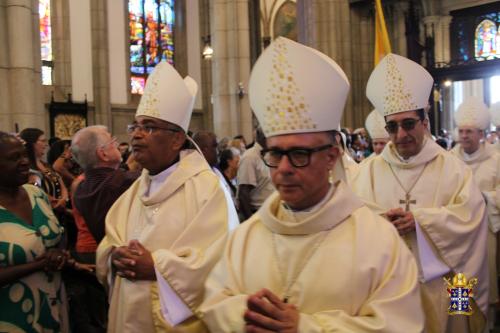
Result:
32,297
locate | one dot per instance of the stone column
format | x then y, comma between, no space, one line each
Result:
23,66
340,32
440,25
61,49
230,37
100,68
6,123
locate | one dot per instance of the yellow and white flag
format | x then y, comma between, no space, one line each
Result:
382,43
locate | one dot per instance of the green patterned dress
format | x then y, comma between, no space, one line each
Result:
35,303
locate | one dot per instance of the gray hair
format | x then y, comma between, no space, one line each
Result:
85,143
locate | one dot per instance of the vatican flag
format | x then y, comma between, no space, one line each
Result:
382,43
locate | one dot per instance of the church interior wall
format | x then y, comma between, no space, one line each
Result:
82,80
91,55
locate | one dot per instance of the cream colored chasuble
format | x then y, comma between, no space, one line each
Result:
184,225
449,210
360,277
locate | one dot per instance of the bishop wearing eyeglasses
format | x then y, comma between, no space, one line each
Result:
427,194
313,258
167,231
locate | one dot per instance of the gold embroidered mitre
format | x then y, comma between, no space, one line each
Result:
168,97
398,84
296,89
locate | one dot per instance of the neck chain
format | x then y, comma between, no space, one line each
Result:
407,200
291,282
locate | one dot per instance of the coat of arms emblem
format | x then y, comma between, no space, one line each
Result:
461,293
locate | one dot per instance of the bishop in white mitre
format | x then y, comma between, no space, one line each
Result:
375,126
427,193
313,258
472,118
166,232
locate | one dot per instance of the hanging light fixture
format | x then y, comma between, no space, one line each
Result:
208,52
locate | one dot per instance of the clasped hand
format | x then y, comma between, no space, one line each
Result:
133,262
268,313
403,221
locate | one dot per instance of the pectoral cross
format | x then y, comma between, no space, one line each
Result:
407,202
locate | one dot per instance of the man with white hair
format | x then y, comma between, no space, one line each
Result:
472,119
164,234
306,261
427,194
94,192
95,150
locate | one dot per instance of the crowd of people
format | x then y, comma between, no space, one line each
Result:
308,228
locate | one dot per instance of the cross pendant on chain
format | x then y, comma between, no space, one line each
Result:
407,202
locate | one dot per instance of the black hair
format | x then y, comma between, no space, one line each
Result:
56,150
421,114
31,136
225,156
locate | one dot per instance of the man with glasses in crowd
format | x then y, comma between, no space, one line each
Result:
97,153
427,194
164,234
306,261
94,192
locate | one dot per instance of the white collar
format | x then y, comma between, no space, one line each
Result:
158,179
474,155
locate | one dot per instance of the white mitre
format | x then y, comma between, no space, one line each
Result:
168,97
495,114
472,113
296,89
398,84
375,125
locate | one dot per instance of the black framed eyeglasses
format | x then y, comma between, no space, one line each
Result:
407,124
298,157
146,128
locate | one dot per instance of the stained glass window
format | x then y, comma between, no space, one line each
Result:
487,40
151,38
46,41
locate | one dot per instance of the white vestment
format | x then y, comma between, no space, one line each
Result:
348,269
184,225
485,165
345,169
448,210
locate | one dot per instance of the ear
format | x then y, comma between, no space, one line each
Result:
179,139
333,155
101,154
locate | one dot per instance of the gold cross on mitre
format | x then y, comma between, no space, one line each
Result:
407,202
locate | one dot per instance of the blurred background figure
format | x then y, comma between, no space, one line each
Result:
229,160
51,181
375,125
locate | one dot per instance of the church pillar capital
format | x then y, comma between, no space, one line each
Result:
438,27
